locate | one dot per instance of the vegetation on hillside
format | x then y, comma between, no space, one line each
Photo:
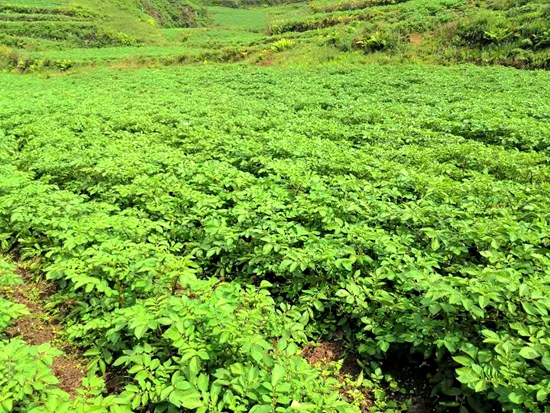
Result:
512,33
505,32
175,13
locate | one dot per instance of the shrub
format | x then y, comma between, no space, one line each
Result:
283,44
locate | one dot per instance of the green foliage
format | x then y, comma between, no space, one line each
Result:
428,31
200,235
75,33
8,309
211,349
27,382
172,13
350,5
20,10
246,3
372,42
513,34
283,44
28,27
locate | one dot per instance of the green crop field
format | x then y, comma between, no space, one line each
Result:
226,206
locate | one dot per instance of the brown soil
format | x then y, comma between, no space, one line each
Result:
114,381
350,366
324,353
70,373
416,39
32,330
39,328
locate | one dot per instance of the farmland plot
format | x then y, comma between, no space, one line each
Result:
202,225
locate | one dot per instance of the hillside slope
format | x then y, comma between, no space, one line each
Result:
509,32
150,32
54,25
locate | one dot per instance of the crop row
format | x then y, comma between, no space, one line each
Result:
84,34
351,5
72,12
34,17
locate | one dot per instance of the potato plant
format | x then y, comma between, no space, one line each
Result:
202,224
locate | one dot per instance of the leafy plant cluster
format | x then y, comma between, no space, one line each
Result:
525,24
26,26
204,349
350,5
31,63
400,17
519,30
317,21
34,17
78,34
27,382
19,9
171,13
237,4
200,235
492,32
488,32
282,44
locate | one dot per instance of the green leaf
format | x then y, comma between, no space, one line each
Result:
529,308
189,399
464,360
483,301
172,334
215,391
343,407
480,386
194,366
262,408
484,356
140,330
277,373
523,288
166,392
257,352
466,375
542,395
347,263
342,293
515,398
529,353
265,284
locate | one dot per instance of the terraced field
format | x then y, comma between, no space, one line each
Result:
445,32
50,27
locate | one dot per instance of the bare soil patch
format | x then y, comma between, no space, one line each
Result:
416,39
39,328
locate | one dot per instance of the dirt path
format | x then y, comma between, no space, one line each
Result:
39,327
